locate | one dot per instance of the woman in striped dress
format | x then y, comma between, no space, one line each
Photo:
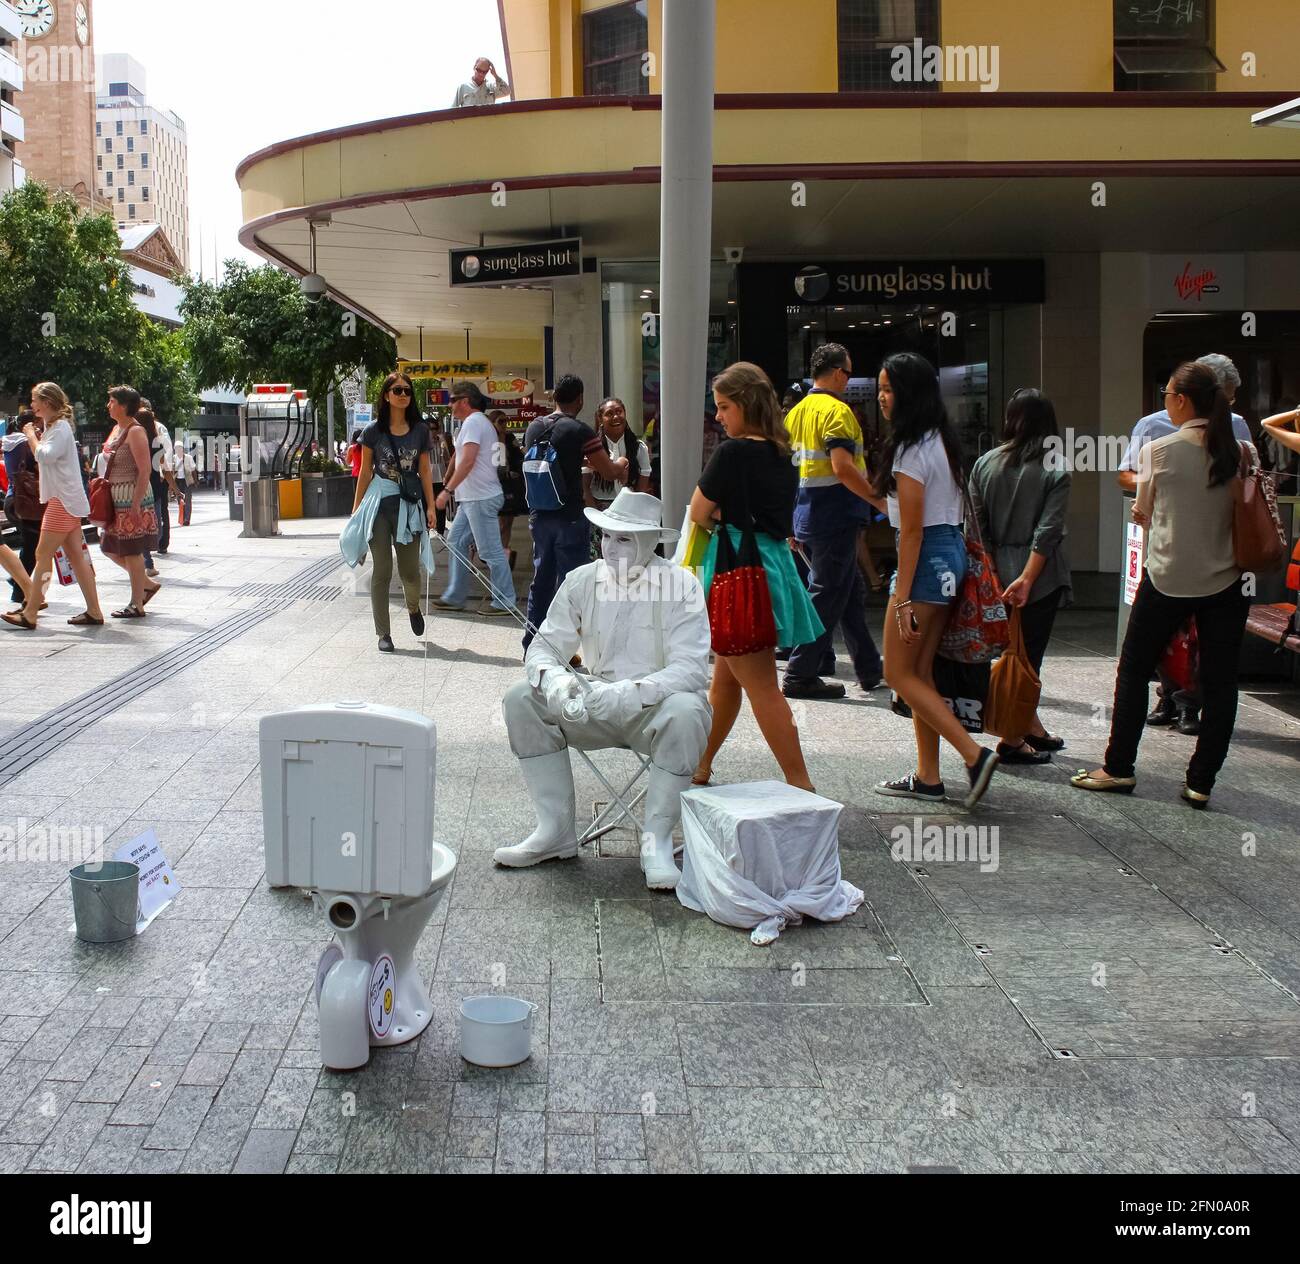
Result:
134,529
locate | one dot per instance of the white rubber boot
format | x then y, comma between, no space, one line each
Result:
550,784
663,809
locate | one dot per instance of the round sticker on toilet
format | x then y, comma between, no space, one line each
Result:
382,996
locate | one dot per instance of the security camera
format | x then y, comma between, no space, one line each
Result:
733,254
313,287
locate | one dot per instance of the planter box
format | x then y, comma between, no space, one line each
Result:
327,496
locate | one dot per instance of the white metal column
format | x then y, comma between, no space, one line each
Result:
685,241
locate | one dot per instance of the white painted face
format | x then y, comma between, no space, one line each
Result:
627,555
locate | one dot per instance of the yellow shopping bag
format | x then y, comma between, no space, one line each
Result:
692,544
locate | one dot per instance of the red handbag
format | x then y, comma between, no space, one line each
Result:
978,630
1180,663
102,509
740,601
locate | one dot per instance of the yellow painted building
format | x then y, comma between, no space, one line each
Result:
1086,158
786,46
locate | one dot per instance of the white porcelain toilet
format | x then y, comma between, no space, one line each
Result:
347,810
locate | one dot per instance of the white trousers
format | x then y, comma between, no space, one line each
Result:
673,732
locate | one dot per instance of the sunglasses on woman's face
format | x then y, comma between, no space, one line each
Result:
399,390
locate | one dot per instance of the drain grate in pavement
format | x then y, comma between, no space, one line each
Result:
1097,959
33,742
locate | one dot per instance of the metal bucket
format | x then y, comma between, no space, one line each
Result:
105,900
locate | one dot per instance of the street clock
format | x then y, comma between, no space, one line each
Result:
38,17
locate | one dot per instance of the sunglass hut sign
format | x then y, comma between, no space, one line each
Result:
1002,280
506,265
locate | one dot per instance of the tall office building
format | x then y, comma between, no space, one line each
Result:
11,84
141,154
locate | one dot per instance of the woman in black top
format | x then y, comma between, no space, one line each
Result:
398,442
750,477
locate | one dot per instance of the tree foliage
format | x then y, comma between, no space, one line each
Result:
255,326
67,312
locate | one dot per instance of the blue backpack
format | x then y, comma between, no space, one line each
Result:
543,478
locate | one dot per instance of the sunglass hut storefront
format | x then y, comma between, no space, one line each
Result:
978,321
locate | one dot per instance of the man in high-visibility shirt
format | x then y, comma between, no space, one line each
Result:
831,507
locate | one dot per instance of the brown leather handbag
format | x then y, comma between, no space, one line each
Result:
1258,539
1014,689
27,495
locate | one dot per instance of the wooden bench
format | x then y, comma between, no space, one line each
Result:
1272,623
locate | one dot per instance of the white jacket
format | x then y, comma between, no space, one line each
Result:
651,637
60,466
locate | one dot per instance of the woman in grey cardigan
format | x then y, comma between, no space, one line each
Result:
1021,496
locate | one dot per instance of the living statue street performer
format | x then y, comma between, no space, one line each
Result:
642,629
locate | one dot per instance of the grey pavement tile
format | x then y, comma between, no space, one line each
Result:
71,1138
84,1054
225,1037
521,1142
455,1165
113,1074
670,1144
113,1150
34,993
625,1084
181,1118
725,1164
178,1043
1276,1151
571,1153
37,1114
286,1100
145,1100
265,1150
249,1078
151,1019
114,1011
802,1164
622,1167
15,1158
157,1162
620,1137
371,1142
208,1069
312,1164
570,1121
472,1138
219,1140
523,1097
479,1099
713,1055
766,1120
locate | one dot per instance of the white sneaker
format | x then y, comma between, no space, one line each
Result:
550,784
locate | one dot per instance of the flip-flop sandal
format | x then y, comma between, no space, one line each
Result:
45,605
128,612
151,594
1014,755
18,620
86,620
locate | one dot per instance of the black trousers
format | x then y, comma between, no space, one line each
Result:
161,494
29,533
1036,620
1220,625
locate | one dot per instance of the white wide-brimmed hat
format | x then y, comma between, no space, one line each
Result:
633,512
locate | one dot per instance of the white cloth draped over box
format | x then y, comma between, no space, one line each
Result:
763,856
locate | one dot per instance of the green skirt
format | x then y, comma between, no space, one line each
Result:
796,620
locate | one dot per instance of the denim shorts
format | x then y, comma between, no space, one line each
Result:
940,568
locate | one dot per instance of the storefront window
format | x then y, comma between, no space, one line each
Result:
614,43
963,354
630,293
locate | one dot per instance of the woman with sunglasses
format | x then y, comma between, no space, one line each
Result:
396,449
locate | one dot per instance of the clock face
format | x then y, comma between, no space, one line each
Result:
38,17
83,24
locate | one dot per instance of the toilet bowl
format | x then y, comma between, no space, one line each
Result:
368,988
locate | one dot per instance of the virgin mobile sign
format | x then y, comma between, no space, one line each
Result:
983,280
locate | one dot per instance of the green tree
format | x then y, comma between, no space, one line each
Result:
255,326
66,309
162,374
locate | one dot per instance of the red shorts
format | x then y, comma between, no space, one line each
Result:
57,520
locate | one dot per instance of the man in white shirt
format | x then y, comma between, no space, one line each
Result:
187,474
479,91
642,629
479,498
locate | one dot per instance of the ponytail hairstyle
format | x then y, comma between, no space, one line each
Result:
1199,384
1029,424
51,393
751,390
918,411
148,423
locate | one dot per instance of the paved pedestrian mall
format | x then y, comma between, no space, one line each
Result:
1115,993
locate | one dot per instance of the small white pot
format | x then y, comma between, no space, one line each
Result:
496,1031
